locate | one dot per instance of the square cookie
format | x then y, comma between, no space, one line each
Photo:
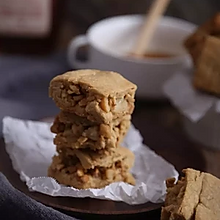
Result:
100,96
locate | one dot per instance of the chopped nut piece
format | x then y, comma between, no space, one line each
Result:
85,178
96,173
82,102
74,89
105,130
104,105
78,98
92,133
109,174
80,173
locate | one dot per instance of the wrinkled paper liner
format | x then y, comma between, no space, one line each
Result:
191,103
30,147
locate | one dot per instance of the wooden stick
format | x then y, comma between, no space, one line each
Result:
149,26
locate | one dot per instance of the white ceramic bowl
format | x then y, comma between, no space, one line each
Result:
112,39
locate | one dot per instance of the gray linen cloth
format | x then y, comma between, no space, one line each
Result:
16,205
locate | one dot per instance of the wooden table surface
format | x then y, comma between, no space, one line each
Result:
165,115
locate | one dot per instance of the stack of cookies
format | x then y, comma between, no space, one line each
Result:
96,108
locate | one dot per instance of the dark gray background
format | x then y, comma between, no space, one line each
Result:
24,85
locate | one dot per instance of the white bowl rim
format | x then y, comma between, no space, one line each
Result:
158,61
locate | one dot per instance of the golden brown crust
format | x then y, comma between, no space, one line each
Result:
100,96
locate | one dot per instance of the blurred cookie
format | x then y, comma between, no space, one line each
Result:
195,42
207,73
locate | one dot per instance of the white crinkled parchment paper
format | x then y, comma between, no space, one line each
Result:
30,147
192,103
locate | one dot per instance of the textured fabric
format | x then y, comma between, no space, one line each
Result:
16,205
